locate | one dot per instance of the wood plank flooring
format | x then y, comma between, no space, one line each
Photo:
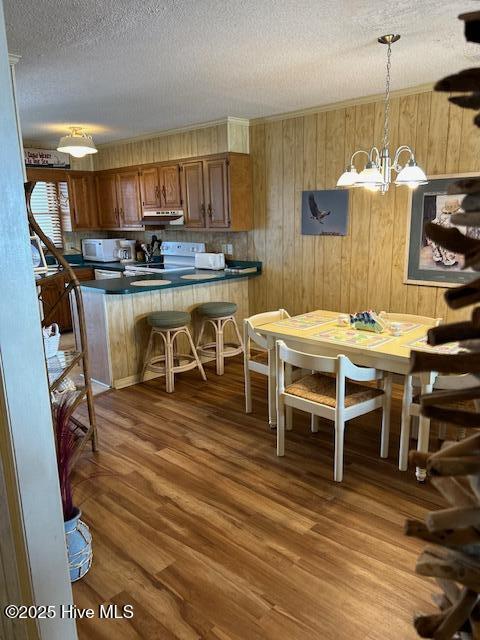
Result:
208,534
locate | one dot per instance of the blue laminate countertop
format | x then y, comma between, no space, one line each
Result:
122,285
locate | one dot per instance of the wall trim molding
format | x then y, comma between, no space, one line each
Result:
333,106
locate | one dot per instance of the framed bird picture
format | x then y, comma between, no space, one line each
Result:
325,213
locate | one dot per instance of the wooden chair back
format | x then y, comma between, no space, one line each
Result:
257,320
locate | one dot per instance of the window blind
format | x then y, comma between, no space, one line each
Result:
49,205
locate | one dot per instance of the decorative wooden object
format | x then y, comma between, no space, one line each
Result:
454,561
60,366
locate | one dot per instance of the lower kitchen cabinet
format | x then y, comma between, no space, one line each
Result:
51,292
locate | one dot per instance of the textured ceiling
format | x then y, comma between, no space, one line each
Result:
128,67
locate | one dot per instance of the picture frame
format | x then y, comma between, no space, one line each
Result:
425,262
325,212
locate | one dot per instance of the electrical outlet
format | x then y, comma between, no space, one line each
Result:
227,249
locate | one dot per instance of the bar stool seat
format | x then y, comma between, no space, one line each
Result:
217,309
168,319
218,315
169,325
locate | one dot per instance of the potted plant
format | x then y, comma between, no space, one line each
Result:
77,534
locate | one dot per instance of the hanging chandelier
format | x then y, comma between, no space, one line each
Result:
77,143
377,173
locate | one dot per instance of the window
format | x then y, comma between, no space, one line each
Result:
50,208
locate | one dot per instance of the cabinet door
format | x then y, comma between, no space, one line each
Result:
83,206
128,198
170,187
192,185
216,192
51,292
150,187
107,200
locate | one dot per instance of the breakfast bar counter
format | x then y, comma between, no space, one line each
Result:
116,313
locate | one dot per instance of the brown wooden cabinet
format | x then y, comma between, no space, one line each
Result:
128,199
217,192
214,191
51,292
106,184
170,193
160,187
83,202
193,194
118,199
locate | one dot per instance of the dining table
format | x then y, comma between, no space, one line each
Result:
329,333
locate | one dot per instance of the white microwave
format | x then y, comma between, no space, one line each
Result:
101,250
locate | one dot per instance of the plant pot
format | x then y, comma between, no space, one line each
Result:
79,546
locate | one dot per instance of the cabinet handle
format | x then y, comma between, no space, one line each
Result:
210,212
202,210
164,191
157,193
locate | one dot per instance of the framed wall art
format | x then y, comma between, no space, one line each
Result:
426,262
325,213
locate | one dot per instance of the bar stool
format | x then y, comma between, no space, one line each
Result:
218,314
170,325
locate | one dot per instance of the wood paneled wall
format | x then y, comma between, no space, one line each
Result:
364,269
183,144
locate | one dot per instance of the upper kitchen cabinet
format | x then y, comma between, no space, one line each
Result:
128,199
118,199
106,184
217,192
160,187
171,197
150,187
83,203
193,194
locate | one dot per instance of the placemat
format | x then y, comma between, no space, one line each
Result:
150,283
353,337
304,321
200,276
421,345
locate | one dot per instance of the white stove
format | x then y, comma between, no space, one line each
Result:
177,256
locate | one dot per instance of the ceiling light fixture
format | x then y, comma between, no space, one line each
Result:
377,174
77,143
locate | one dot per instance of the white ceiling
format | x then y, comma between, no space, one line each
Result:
129,67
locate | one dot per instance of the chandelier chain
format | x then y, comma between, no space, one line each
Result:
386,125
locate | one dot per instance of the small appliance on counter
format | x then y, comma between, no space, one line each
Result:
177,256
101,250
215,261
126,252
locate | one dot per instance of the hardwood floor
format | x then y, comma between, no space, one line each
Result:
208,534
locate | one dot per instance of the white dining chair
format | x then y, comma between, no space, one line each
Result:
338,396
444,382
409,382
257,362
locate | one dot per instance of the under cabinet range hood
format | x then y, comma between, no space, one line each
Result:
152,217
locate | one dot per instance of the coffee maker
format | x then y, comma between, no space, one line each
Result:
126,251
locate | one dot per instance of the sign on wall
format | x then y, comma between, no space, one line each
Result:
46,158
325,213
